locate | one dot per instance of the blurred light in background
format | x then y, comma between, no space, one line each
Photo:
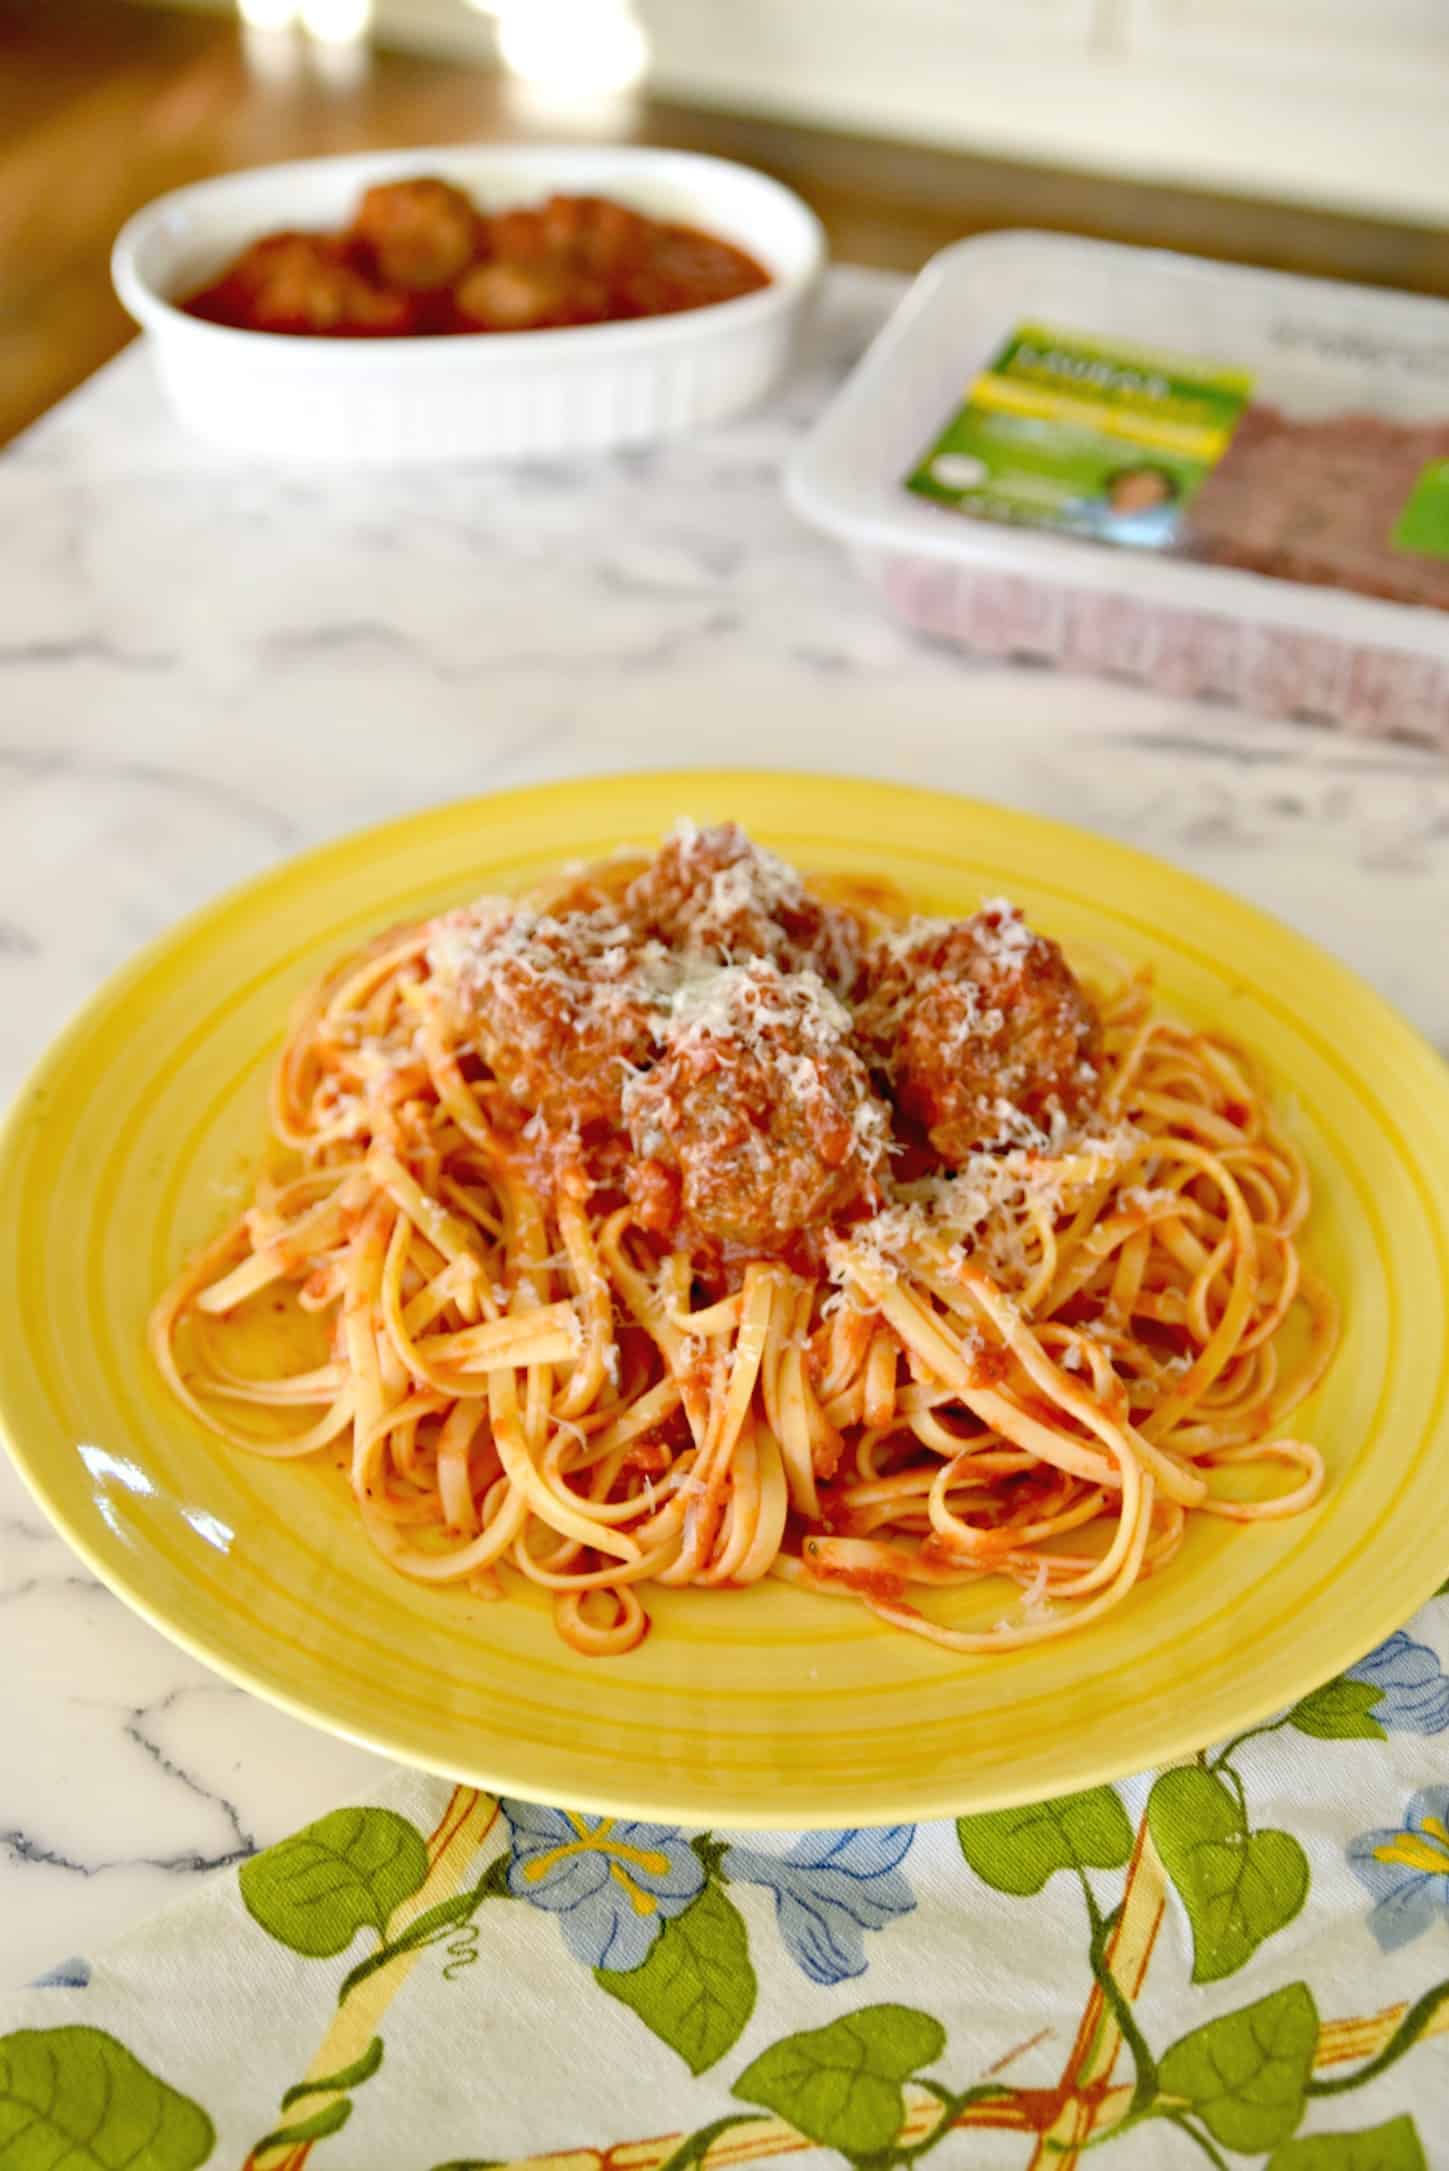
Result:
270,39
337,22
573,60
267,14
571,48
279,35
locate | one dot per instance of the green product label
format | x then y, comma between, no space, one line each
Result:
1423,525
1069,432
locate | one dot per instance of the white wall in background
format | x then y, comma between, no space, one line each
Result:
1386,38
1335,102
1342,103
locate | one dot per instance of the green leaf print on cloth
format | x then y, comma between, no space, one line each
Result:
1394,2147
1246,2073
1342,1710
841,2085
74,2099
1017,1850
1237,1885
696,1990
346,1872
426,2033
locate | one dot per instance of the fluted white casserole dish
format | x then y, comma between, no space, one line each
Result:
515,393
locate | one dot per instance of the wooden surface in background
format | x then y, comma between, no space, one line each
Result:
104,105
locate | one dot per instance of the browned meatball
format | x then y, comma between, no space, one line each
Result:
681,269
760,1107
503,296
985,1032
552,265
303,283
581,233
422,234
521,237
715,893
605,236
563,1010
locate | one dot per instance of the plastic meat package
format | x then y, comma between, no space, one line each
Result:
1227,484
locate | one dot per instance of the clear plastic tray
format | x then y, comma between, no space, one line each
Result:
1216,632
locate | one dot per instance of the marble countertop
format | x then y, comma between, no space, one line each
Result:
204,666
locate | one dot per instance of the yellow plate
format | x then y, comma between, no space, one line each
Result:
131,1144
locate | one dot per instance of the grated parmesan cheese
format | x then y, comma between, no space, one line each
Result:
1002,934
1144,1199
743,1002
984,1208
753,881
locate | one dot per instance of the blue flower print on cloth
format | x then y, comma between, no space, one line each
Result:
72,1974
1407,1870
1413,1687
830,1888
612,1884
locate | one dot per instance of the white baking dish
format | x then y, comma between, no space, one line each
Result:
1214,632
517,393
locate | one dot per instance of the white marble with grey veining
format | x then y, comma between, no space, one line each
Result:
205,665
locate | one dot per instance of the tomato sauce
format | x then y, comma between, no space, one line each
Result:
419,260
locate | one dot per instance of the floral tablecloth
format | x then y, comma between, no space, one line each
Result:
1241,1960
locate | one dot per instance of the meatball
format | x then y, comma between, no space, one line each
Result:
985,1033
552,265
577,233
716,894
304,283
422,234
503,296
598,233
760,1108
684,269
562,1009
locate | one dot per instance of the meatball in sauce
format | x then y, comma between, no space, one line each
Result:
985,1033
562,1009
713,893
421,235
761,1108
420,259
303,283
726,1053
